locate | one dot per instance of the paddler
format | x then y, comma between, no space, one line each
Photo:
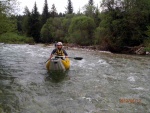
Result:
59,51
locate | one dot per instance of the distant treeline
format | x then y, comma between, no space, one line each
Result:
113,25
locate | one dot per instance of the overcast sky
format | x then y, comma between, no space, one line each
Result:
59,4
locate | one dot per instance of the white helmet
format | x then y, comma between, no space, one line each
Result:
59,44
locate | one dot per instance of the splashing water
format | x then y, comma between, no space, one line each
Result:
93,85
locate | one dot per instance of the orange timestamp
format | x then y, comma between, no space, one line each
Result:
130,100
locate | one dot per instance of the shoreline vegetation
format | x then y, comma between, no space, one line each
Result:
14,38
137,50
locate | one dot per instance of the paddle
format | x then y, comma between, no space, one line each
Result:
76,58
46,60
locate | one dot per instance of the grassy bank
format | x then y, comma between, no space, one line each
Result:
14,38
148,48
147,44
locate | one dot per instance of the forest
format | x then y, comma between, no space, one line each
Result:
115,25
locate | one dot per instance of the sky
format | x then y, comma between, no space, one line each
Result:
59,4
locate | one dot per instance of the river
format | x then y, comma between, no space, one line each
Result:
100,83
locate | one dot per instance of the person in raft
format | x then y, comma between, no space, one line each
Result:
59,51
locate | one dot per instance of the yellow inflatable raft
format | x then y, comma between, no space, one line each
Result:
58,64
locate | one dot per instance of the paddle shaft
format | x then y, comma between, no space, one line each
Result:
46,60
76,58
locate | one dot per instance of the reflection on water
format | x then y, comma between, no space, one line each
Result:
100,83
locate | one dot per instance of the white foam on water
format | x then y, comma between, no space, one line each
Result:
102,62
131,78
22,82
1,44
81,63
87,98
31,53
69,99
92,64
105,52
139,88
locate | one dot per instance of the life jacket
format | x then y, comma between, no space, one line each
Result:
59,52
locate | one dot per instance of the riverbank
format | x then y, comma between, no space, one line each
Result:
139,50
68,46
14,38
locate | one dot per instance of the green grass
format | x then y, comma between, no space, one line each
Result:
147,44
148,48
14,38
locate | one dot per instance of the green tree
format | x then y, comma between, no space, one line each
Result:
19,23
35,25
8,6
52,31
81,30
45,13
110,5
97,17
148,31
66,24
147,40
46,35
123,23
6,23
69,7
61,15
53,11
90,9
91,2
27,21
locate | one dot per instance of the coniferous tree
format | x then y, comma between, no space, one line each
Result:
69,7
27,22
60,15
90,9
53,11
19,23
91,3
45,13
96,16
35,25
79,12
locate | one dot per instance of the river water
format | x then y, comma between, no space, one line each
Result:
100,83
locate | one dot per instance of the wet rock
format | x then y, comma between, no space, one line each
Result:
141,51
147,53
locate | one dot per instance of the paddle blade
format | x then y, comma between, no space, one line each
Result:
78,58
46,60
